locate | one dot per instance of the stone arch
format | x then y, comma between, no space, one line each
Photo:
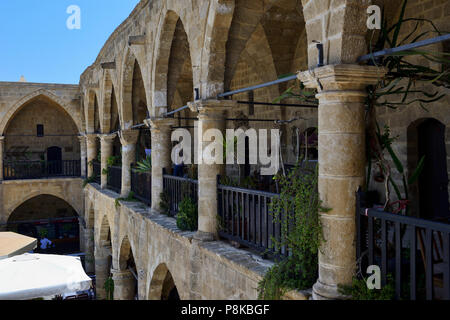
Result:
162,284
9,209
92,112
90,215
32,96
107,100
105,235
125,253
160,73
130,61
216,35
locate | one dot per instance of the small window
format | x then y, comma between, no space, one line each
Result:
40,130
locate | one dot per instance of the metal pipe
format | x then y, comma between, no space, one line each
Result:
175,111
278,104
260,86
405,47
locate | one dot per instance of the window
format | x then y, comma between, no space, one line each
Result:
40,130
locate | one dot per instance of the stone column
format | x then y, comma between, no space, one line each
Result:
83,155
161,130
89,250
106,145
211,116
91,142
103,263
128,138
124,284
341,94
2,155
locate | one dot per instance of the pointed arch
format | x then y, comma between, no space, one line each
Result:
162,285
31,97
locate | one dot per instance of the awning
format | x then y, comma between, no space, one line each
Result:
31,276
13,244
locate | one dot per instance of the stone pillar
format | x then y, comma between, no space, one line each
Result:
2,155
83,155
211,116
124,285
128,138
103,263
161,130
341,94
91,142
88,242
106,145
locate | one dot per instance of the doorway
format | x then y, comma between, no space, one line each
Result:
54,160
433,182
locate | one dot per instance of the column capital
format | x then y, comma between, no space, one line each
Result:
157,123
210,106
82,138
107,138
91,137
2,138
342,77
128,137
121,274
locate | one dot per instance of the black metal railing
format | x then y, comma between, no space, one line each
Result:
176,188
141,185
245,218
415,252
97,171
17,170
114,181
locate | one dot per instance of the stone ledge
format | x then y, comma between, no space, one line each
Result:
6,182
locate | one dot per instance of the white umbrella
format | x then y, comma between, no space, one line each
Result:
31,276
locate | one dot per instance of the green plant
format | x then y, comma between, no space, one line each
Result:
43,233
297,211
129,198
144,166
358,290
187,218
109,288
89,180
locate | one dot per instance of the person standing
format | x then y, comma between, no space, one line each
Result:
45,244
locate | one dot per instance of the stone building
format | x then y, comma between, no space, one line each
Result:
168,54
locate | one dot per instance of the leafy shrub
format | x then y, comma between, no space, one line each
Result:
359,291
187,219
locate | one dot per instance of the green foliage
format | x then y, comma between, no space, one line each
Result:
109,288
89,180
110,162
297,210
43,233
129,198
187,218
144,166
359,290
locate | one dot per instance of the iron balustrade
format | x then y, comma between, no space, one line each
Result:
141,185
18,170
176,188
114,181
97,170
245,218
408,248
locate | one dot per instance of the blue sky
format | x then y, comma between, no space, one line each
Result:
35,41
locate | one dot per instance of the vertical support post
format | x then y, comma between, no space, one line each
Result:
124,284
2,151
128,139
161,130
341,94
211,116
91,142
106,145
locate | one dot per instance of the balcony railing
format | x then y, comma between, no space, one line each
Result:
19,170
416,252
141,185
114,179
176,188
246,219
97,168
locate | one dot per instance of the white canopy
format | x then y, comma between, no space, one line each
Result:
31,276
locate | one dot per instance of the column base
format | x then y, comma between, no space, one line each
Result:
205,236
323,291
